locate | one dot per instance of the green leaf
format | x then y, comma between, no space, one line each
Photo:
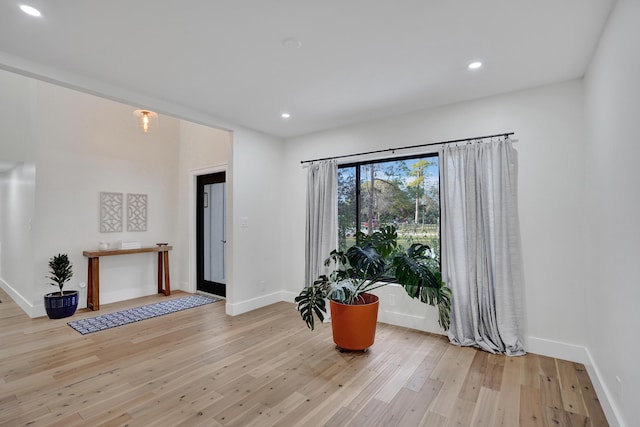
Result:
366,261
60,270
310,302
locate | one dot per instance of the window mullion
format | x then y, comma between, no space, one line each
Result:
358,222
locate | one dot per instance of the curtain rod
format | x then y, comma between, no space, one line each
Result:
453,141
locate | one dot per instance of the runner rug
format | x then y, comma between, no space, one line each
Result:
124,317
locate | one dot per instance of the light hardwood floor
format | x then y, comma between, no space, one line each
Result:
264,368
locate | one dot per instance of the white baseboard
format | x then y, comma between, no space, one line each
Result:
25,305
604,394
557,349
288,296
122,295
420,323
255,303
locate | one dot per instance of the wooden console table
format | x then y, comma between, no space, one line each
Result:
93,285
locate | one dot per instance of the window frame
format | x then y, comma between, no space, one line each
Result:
357,166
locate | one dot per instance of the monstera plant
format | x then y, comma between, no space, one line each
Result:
376,260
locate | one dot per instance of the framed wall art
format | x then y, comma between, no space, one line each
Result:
136,212
110,212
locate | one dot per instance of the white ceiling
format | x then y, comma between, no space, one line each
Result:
359,60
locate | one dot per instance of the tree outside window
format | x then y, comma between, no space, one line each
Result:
403,192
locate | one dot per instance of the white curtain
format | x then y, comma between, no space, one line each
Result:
322,217
481,251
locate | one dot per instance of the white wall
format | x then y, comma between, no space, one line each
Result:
17,198
258,234
202,150
17,193
85,145
548,124
613,174
254,222
16,100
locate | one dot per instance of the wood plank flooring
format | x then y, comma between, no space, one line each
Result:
264,368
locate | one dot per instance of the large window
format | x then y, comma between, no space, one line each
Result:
404,192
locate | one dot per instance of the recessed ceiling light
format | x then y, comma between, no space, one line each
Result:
291,43
30,10
475,65
285,115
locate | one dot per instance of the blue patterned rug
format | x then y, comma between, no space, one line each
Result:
124,317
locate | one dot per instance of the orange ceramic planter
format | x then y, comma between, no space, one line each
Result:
354,326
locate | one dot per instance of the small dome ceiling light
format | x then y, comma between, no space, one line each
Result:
148,119
32,11
285,115
475,65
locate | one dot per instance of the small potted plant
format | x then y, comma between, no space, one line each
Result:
63,303
376,260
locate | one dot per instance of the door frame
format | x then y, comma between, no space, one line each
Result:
202,283
193,241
